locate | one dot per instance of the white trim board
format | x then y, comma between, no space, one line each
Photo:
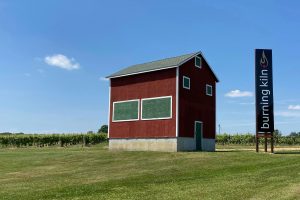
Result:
109,111
177,99
196,121
162,97
152,70
127,120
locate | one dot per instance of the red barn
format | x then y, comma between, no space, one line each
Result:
164,105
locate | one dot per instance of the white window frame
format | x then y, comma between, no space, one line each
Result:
200,66
183,77
125,120
161,97
208,85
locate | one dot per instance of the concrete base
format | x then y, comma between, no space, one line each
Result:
186,144
151,144
208,144
161,144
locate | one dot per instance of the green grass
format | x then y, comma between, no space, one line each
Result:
96,173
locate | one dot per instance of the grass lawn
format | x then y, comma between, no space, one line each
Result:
96,173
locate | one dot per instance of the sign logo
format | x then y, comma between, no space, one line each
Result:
264,91
264,61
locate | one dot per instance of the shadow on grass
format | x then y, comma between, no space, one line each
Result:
217,151
232,151
287,152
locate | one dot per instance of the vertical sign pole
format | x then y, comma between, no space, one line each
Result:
257,142
272,143
266,144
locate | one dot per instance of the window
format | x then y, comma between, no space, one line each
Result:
198,61
209,90
186,82
157,108
126,110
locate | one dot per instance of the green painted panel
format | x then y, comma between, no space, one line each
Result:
197,61
126,110
156,108
198,131
209,90
186,82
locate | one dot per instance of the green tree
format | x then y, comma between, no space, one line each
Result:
103,129
295,134
277,133
90,132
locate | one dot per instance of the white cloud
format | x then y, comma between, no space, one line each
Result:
238,93
238,124
103,79
62,61
286,101
287,114
247,103
294,107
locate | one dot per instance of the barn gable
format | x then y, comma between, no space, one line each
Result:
159,65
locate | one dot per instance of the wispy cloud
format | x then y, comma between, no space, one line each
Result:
247,103
287,114
285,101
27,74
287,122
62,61
238,93
103,79
294,107
238,124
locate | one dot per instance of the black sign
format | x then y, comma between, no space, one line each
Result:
264,91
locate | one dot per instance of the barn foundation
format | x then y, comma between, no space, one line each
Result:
160,144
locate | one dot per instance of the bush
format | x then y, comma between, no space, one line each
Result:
249,139
41,140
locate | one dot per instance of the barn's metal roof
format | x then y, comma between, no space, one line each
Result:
155,65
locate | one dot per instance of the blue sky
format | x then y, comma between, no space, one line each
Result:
54,55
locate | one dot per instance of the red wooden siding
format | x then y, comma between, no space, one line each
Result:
194,104
146,85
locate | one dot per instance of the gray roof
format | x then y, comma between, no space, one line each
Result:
154,65
158,65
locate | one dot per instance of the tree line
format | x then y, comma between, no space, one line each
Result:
8,139
249,139
42,140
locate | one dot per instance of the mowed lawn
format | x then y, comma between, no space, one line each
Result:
96,173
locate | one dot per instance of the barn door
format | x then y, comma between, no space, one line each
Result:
198,134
